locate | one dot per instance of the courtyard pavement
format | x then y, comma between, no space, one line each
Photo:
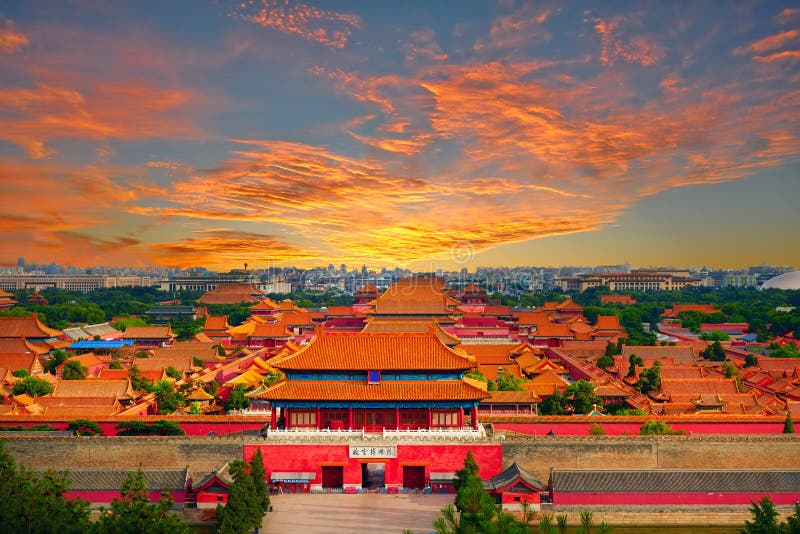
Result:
352,514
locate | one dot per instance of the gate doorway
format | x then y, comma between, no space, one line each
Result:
414,476
373,475
332,476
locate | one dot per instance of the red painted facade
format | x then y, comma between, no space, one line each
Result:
436,458
670,498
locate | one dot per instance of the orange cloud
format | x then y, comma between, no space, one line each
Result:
226,247
11,40
786,55
329,28
636,49
32,117
774,41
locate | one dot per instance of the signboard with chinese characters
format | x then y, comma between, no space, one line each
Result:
372,452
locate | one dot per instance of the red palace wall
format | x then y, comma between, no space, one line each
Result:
437,458
670,498
630,428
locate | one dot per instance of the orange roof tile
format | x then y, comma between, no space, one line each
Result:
265,304
148,332
490,352
12,362
153,375
202,352
216,322
608,322
610,390
271,330
678,353
568,305
20,345
87,360
232,294
581,328
181,362
492,370
680,371
549,377
375,351
399,390
698,385
200,395
28,327
369,288
532,318
92,388
415,296
552,330
341,311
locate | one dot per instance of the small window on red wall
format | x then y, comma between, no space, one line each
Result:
373,377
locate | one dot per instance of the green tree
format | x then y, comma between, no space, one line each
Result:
476,506
138,382
612,349
237,400
167,399
54,361
555,404
21,373
85,427
132,428
649,379
546,524
788,424
765,518
196,408
657,428
750,360
74,370
173,373
134,512
715,335
587,522
35,387
714,352
583,398
259,475
605,362
633,361
561,521
596,430
241,514
115,364
508,382
166,428
34,504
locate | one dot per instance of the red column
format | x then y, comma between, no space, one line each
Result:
286,417
319,419
273,424
430,418
461,418
350,418
397,418
474,415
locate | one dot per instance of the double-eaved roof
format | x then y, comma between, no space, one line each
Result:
407,351
395,390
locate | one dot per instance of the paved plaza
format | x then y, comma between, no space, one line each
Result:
362,513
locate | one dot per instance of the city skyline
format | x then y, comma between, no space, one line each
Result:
461,134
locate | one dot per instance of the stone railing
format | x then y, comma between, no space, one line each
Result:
434,433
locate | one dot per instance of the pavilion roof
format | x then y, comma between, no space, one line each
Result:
232,294
608,322
376,351
552,330
20,345
512,397
216,322
265,304
415,296
29,327
395,390
93,388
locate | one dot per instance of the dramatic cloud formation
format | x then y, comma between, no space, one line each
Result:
408,135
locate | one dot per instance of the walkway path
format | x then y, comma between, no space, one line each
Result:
353,514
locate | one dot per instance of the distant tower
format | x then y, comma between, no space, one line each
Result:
20,262
245,266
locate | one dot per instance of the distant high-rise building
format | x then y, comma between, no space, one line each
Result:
20,262
343,268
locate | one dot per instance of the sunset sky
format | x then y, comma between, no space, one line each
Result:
400,133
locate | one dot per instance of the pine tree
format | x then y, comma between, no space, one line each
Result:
788,424
259,476
239,515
